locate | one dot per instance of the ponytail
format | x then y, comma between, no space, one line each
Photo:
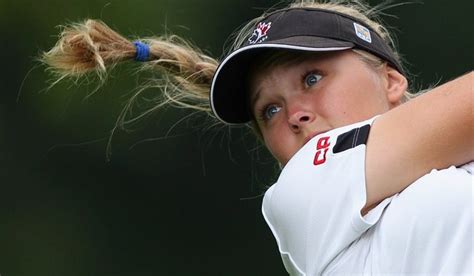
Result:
93,47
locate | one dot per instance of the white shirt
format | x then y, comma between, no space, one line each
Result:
314,213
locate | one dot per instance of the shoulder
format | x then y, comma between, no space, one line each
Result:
330,146
317,199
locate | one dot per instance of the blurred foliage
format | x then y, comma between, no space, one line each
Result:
170,200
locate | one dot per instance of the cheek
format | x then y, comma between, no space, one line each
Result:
356,101
278,142
272,142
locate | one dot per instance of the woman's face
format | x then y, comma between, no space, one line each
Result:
294,102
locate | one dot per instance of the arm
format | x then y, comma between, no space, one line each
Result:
432,131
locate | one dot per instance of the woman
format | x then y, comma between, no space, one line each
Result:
366,185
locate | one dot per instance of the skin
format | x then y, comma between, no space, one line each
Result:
342,90
295,102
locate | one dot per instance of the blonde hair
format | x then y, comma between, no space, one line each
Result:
91,47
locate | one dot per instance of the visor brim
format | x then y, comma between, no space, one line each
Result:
228,95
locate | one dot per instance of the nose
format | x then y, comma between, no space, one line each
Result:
298,120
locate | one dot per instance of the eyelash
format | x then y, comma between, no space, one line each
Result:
261,112
306,75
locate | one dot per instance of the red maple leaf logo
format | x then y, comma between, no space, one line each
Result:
260,32
264,27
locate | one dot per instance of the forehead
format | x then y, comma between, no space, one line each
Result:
276,58
272,60
280,62
275,66
285,67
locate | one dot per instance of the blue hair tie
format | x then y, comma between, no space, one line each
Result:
143,51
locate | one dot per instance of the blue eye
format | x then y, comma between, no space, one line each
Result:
311,79
270,111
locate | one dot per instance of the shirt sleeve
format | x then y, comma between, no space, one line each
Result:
428,227
314,208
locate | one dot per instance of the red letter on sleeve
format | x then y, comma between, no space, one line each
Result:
322,148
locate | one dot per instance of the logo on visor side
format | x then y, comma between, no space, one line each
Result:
362,32
260,33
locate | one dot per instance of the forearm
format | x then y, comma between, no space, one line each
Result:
444,124
432,131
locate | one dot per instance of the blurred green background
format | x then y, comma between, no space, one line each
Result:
174,199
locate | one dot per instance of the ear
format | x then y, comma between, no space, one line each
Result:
395,85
